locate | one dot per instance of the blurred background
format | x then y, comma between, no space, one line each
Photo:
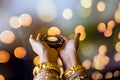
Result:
98,21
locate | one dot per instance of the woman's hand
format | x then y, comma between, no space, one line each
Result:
68,53
46,53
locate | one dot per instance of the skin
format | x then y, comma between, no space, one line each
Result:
67,53
43,50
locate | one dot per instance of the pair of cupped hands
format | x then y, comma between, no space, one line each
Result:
67,53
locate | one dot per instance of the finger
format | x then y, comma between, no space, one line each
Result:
77,36
76,39
41,36
31,38
65,38
32,41
37,38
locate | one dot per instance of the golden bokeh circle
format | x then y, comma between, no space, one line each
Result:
4,56
53,31
7,37
2,77
20,52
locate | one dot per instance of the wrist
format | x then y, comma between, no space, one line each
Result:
45,57
44,60
72,63
46,71
74,72
49,74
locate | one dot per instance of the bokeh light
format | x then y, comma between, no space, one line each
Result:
100,61
97,64
14,22
117,46
117,57
67,13
81,29
108,75
46,13
117,16
53,31
111,24
4,56
86,3
116,73
2,77
119,35
36,60
97,75
105,60
97,58
101,6
101,27
82,36
108,32
7,37
102,49
20,52
96,20
87,64
25,20
119,5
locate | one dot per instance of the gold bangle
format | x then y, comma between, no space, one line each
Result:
46,66
73,70
49,66
47,74
35,70
78,77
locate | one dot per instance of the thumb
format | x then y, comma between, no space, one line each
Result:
76,39
31,39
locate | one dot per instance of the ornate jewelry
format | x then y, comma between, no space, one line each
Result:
46,66
47,75
74,70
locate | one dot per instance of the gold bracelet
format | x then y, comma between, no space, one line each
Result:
35,70
45,75
78,77
73,70
46,66
49,66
